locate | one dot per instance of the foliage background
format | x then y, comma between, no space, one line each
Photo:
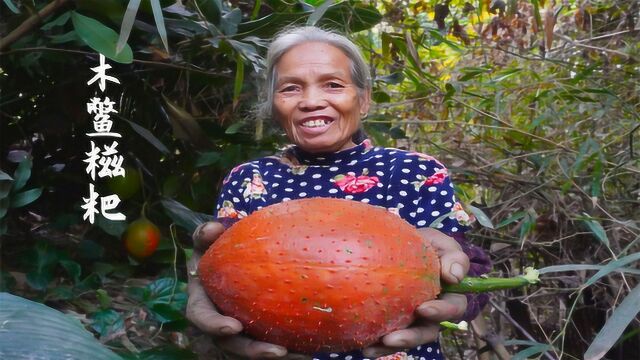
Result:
532,104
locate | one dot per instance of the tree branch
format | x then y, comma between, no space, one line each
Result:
30,23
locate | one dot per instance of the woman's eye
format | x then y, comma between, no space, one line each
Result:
288,88
335,85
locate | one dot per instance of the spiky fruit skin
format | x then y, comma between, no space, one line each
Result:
321,274
141,238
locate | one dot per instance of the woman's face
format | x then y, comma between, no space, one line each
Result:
315,99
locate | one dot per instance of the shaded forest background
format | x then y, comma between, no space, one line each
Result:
533,105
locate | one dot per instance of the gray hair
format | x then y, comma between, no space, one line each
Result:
292,37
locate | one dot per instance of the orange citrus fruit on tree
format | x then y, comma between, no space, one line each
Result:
141,238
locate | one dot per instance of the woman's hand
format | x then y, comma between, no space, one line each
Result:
454,265
203,314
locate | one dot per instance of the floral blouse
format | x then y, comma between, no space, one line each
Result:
411,185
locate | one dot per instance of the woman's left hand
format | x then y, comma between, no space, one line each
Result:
454,264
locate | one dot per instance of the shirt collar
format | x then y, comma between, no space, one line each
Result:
341,156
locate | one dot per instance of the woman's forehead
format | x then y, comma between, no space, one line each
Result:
313,58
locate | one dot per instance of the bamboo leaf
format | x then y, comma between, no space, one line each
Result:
612,266
513,218
147,135
483,219
234,128
596,228
127,24
5,184
614,327
12,6
100,38
237,85
25,197
157,16
22,174
183,216
319,12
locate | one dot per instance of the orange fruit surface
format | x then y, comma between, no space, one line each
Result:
321,274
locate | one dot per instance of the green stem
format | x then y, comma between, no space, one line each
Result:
485,284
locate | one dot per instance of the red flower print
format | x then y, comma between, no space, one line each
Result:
437,178
426,157
352,184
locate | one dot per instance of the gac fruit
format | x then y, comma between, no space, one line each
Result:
141,238
321,274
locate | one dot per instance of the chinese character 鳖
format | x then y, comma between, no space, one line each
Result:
101,110
101,74
108,160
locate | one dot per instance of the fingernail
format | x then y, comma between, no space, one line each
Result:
457,271
428,311
225,330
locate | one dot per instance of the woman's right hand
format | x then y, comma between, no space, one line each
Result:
203,314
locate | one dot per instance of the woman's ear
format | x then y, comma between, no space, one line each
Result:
365,101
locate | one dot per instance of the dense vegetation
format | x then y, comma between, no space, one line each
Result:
534,105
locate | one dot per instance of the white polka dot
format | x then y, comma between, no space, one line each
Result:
348,357
303,194
269,163
421,223
380,196
275,185
454,229
443,192
278,176
440,226
403,193
435,213
304,183
333,168
317,187
234,183
389,197
400,206
321,158
259,207
419,347
285,199
422,167
415,202
448,204
353,162
265,173
351,153
316,176
423,358
349,197
365,200
378,156
406,171
438,351
451,185
338,161
273,196
333,191
288,189
420,210
290,181
429,349
404,181
392,167
380,184
412,214
392,152
408,160
379,164
235,200
433,201
379,173
432,188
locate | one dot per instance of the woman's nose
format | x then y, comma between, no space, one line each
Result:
312,99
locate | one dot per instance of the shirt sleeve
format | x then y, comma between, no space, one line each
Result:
232,204
421,192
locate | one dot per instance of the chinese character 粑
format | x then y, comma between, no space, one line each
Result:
101,74
106,203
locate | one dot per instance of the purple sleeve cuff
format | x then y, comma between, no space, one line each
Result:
479,264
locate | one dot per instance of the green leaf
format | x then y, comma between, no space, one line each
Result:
65,38
580,267
229,22
59,21
73,269
12,6
208,158
615,325
113,228
529,352
100,38
596,228
211,10
513,218
4,206
483,219
183,216
127,24
612,266
107,322
234,128
22,174
5,184
237,85
159,19
147,135
319,12
34,331
25,197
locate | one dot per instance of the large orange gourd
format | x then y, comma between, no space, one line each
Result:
320,274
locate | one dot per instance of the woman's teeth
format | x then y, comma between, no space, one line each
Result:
315,123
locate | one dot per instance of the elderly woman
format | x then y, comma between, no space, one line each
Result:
318,90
